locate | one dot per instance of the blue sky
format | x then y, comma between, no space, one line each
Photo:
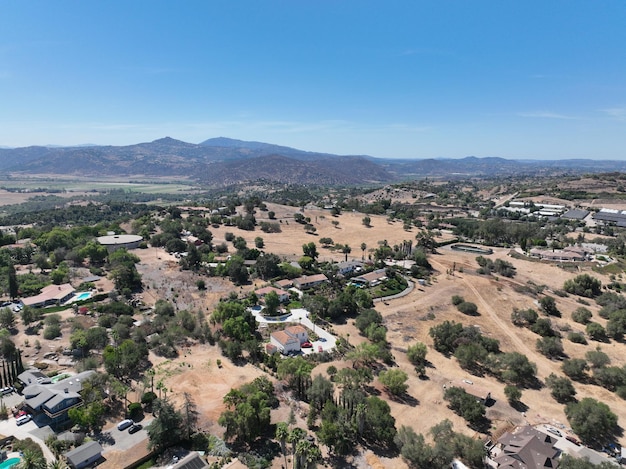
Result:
405,79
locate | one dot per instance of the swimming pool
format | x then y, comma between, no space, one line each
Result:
80,297
9,463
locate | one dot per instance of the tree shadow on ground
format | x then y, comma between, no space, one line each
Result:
519,406
407,399
104,438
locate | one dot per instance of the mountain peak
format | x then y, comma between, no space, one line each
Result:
168,141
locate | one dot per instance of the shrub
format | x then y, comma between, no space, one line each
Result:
457,300
467,307
582,315
148,398
577,338
583,285
134,410
52,332
596,332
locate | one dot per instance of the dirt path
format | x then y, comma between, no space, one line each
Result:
544,368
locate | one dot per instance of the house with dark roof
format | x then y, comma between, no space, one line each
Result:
84,455
50,402
525,448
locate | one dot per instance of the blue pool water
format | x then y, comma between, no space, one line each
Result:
80,297
9,463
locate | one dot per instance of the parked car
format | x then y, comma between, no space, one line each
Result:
554,431
572,439
322,339
7,390
23,419
124,424
307,345
135,428
320,349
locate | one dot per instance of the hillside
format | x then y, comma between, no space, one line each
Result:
223,161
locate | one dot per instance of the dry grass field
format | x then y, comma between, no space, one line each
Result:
407,319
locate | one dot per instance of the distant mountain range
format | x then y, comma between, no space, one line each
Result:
223,161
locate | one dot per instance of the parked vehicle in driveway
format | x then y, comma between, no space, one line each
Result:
572,439
307,345
23,419
554,431
135,428
322,339
7,390
124,424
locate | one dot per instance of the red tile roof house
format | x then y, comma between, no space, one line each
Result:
283,295
299,332
285,342
50,295
290,339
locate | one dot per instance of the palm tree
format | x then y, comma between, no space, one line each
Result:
307,455
295,435
346,250
57,464
31,460
363,248
282,433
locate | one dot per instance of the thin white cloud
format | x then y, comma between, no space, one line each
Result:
618,113
546,115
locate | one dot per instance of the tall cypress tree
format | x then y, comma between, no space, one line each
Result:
13,285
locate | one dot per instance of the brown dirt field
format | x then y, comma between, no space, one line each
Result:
406,319
197,373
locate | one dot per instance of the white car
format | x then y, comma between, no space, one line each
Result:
554,431
124,424
23,419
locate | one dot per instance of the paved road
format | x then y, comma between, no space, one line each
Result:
113,439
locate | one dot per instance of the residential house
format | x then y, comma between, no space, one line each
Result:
84,455
562,255
283,295
284,342
50,402
525,448
371,279
191,461
299,332
309,281
50,295
348,267
285,284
